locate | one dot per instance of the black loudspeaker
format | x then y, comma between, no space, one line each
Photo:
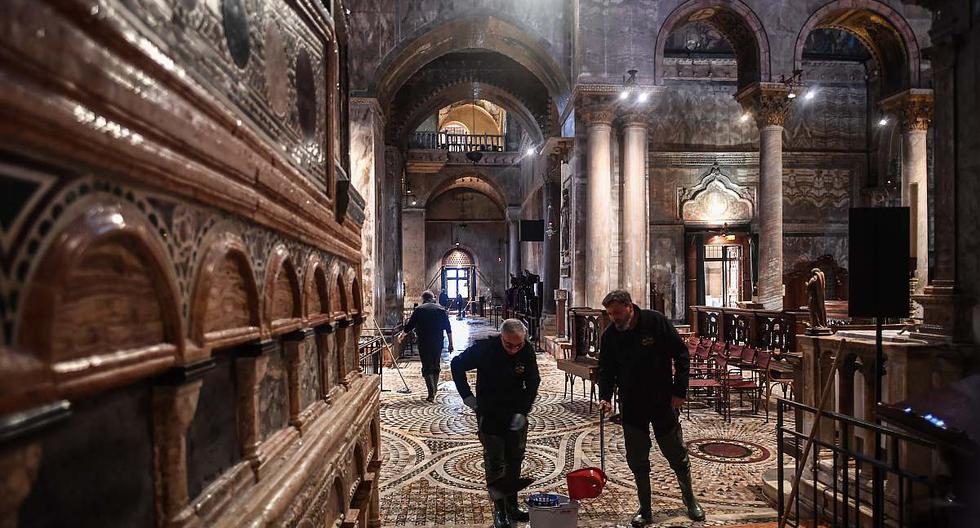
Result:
532,230
878,238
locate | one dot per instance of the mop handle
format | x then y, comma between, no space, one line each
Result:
602,438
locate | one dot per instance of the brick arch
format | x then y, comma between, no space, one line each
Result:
477,29
282,290
462,90
105,285
847,15
224,306
737,23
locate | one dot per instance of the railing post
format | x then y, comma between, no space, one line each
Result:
780,507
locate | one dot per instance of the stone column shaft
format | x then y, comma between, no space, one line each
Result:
771,217
770,104
636,215
551,193
599,217
513,240
413,252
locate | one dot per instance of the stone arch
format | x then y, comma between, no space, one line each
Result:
461,90
224,305
340,498
282,290
104,285
360,463
355,293
475,182
736,22
338,297
316,298
473,30
883,31
467,251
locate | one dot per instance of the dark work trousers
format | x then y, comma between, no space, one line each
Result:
430,356
671,444
503,454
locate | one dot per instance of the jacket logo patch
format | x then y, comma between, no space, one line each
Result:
519,369
647,341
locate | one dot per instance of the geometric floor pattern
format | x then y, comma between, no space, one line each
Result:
432,474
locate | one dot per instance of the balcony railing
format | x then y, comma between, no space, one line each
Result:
457,142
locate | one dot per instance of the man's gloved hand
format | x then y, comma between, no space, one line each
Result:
470,401
517,422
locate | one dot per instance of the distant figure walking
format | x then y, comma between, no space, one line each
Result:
429,321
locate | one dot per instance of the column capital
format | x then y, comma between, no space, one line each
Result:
635,118
768,102
598,114
371,104
914,107
513,213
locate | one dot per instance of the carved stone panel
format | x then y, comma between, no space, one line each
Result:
309,372
715,200
228,303
110,305
273,399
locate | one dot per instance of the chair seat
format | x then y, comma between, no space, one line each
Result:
587,368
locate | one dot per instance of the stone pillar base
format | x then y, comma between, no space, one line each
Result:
946,314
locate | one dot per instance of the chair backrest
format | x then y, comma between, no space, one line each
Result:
735,351
718,348
762,359
749,353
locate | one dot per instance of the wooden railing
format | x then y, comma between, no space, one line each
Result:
457,142
769,329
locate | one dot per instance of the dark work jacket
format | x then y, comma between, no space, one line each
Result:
639,361
505,384
429,321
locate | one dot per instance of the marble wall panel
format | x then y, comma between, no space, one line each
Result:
96,469
309,372
701,116
816,195
212,440
807,248
273,398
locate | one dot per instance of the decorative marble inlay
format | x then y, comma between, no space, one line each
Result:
716,199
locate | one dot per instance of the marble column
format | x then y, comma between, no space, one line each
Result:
914,107
174,405
636,213
599,207
413,252
770,105
551,196
513,240
390,233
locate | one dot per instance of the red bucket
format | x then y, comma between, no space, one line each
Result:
585,483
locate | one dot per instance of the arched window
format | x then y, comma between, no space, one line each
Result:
457,258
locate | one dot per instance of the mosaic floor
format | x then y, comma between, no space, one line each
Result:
433,469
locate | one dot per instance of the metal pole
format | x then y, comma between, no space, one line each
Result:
878,491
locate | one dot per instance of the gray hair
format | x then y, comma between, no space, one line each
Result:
617,296
428,296
513,327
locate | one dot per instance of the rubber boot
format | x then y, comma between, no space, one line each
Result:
694,510
644,516
500,517
431,390
435,384
515,511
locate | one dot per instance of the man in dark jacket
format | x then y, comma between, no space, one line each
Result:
507,382
429,321
638,353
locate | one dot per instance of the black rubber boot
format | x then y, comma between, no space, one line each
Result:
694,510
431,390
435,384
515,511
500,517
644,515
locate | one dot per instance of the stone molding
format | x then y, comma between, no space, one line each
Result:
768,102
914,107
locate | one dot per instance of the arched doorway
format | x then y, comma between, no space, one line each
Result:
458,274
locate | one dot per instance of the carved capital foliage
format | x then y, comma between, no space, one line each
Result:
599,115
769,103
635,118
913,107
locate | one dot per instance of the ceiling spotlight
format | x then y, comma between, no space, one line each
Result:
744,117
529,151
883,121
791,95
810,94
624,95
642,98
415,202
